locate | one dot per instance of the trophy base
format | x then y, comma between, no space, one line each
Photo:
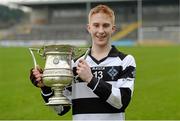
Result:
58,101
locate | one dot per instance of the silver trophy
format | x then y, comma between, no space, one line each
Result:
57,71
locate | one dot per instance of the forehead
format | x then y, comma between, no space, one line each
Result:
100,18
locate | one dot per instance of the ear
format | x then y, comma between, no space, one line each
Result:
114,28
88,28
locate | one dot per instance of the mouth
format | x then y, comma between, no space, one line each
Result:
100,37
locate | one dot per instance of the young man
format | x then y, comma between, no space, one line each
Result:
105,84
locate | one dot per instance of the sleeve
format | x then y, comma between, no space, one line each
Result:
119,94
46,93
61,110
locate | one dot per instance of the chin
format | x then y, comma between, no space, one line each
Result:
102,43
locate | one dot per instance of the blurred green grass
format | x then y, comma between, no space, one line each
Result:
155,95
19,99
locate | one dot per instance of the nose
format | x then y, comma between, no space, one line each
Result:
101,29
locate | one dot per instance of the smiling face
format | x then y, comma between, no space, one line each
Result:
101,26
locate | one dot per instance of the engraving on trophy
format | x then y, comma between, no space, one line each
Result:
57,72
56,60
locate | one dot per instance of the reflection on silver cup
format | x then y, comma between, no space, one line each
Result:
57,71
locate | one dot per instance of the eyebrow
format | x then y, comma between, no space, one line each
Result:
98,23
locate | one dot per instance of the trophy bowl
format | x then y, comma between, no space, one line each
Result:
58,69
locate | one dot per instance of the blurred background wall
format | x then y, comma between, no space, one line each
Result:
61,21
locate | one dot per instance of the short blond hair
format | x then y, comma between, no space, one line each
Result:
102,9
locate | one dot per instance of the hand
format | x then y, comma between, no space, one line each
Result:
84,71
36,77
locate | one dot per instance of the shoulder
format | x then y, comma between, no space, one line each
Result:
127,59
115,52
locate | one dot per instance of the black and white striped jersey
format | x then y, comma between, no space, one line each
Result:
109,92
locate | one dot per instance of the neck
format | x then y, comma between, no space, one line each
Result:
99,49
100,52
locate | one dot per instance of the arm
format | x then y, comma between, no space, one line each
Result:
118,95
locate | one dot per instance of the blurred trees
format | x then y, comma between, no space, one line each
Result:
9,16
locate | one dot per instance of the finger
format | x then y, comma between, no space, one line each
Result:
81,68
79,71
85,63
38,79
80,64
77,68
40,84
35,71
80,60
39,69
38,75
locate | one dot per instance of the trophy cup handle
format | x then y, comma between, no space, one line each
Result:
39,51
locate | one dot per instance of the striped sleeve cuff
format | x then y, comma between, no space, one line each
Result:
100,88
46,91
93,83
